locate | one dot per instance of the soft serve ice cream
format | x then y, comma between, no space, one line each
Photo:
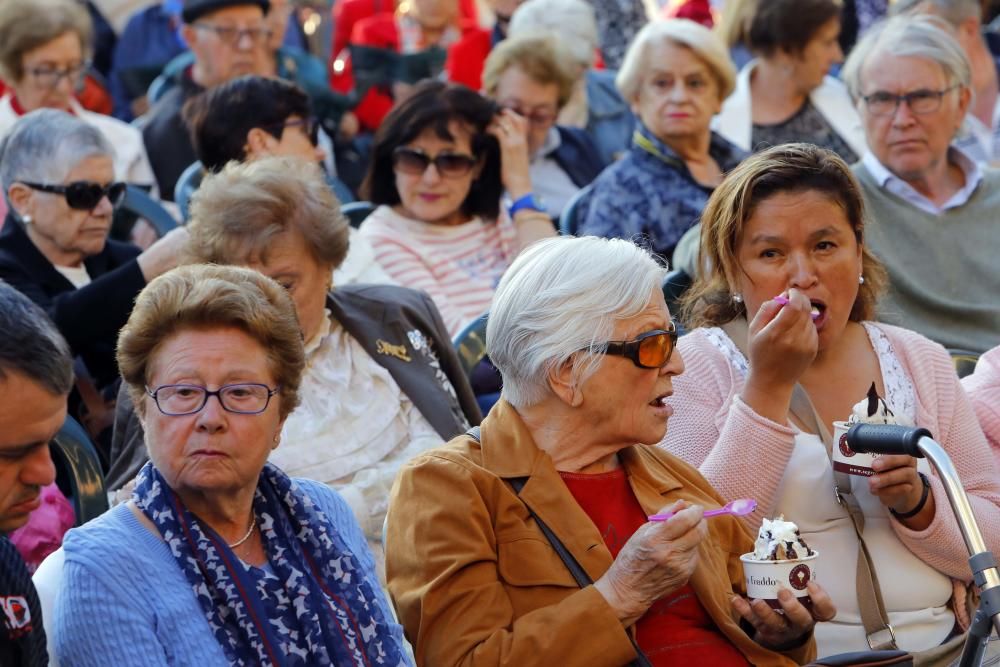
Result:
780,559
780,540
872,409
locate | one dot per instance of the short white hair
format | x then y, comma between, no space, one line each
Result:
923,36
44,145
562,297
572,21
954,12
703,43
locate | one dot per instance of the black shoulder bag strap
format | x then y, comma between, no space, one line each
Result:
579,574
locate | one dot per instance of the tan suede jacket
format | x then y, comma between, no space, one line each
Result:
475,582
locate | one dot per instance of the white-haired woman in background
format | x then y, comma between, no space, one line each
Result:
675,75
580,331
595,104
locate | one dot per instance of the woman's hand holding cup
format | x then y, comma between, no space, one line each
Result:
780,631
657,560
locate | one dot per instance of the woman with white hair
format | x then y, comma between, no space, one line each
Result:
785,95
675,75
58,174
585,343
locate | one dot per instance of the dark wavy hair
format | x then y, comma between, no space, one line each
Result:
436,105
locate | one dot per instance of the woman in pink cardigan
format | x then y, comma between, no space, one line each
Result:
783,234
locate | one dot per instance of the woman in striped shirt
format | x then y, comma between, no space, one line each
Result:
440,163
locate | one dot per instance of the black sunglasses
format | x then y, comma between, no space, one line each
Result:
84,195
415,162
649,350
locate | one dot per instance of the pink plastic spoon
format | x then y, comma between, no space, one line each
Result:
783,300
740,507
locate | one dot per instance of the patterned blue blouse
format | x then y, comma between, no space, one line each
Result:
648,198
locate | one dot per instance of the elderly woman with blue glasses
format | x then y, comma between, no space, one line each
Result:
220,558
585,343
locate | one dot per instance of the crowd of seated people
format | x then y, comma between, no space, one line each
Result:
366,405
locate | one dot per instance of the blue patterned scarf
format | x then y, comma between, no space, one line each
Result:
314,606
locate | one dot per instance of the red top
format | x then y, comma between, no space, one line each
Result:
348,12
380,31
676,630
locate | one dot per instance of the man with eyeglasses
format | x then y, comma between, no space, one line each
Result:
229,38
980,135
933,209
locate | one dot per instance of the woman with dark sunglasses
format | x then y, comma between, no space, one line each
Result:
58,175
582,335
440,164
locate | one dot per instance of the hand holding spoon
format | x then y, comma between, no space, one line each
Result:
740,507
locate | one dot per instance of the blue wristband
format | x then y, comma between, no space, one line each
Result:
528,202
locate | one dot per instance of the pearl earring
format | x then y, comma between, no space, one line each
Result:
26,219
737,298
861,280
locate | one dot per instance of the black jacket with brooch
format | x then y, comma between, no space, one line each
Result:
400,328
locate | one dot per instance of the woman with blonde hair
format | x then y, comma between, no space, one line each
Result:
675,75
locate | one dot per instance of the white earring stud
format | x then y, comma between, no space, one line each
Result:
861,280
737,298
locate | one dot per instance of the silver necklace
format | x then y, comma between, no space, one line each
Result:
253,524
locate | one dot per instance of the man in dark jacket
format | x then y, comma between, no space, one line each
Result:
36,374
228,38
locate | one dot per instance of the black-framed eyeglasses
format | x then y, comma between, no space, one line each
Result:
245,398
652,349
84,195
232,35
49,77
922,101
415,162
309,126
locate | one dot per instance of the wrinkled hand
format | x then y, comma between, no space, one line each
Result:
511,131
164,254
782,340
780,631
896,482
658,559
143,234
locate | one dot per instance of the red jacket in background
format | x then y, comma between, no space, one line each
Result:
382,32
347,13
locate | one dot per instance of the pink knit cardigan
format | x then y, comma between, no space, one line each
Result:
743,455
983,388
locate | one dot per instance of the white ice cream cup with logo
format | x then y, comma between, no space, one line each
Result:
766,577
845,459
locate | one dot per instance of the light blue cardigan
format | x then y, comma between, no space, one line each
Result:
124,601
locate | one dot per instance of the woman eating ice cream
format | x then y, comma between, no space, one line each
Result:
784,347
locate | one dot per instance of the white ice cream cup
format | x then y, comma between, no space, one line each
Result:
766,577
845,459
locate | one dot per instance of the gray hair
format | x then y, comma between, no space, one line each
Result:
31,345
954,12
44,145
572,20
560,296
703,42
923,37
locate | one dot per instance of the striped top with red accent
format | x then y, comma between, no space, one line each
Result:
458,265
